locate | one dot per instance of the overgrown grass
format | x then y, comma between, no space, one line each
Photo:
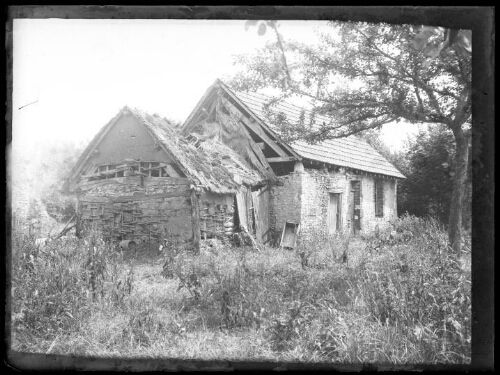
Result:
399,299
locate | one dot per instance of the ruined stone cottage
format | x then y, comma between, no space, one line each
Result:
140,180
227,170
337,185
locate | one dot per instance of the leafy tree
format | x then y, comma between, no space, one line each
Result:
428,187
363,76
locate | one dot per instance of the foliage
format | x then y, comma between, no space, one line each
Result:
59,207
434,41
387,80
408,301
431,157
54,285
362,76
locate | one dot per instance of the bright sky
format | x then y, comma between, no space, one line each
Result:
80,73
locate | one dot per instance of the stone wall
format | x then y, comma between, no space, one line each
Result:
316,189
285,202
304,197
369,221
216,215
147,210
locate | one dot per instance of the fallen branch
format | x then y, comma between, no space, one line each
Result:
66,229
247,235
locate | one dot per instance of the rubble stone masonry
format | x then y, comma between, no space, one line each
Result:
304,197
285,202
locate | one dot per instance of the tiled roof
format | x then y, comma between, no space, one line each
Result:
351,152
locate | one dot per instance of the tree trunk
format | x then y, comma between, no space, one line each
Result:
458,191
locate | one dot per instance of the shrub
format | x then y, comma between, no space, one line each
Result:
420,287
54,287
409,301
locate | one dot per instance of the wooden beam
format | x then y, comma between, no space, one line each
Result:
130,198
171,171
253,126
172,180
254,153
281,159
95,199
107,172
124,180
256,150
92,184
252,116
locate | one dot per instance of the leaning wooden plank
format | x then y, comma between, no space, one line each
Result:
248,236
241,205
290,233
66,228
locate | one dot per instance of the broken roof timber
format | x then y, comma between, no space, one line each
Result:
202,166
265,127
254,128
350,151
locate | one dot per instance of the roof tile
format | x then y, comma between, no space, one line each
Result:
351,152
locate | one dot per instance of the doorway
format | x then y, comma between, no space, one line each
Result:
334,213
355,206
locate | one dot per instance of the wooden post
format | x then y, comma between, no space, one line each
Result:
78,218
195,216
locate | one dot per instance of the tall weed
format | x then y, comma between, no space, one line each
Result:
55,286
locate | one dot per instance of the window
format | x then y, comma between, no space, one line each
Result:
155,169
378,198
147,169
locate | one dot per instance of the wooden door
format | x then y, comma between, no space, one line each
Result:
350,212
260,200
356,206
334,210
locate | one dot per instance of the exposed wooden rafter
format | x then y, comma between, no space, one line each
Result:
281,159
262,126
258,157
252,126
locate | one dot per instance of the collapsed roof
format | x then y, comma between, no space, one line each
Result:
208,163
351,152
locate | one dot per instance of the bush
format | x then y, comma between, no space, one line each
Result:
422,288
55,286
407,302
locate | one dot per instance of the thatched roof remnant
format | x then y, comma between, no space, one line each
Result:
203,162
208,163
